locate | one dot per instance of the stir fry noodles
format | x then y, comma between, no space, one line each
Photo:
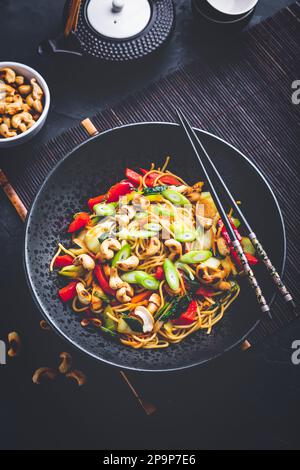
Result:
150,263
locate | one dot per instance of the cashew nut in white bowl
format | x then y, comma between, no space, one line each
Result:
17,73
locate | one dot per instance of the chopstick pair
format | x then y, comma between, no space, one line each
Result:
197,144
73,17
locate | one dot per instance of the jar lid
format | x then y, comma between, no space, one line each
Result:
119,19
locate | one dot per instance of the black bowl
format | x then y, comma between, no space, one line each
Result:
90,170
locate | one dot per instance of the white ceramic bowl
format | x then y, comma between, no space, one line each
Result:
28,73
233,7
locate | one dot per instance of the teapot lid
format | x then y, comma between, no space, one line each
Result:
119,19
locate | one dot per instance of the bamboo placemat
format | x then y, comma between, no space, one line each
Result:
245,98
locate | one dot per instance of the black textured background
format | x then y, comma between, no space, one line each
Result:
242,401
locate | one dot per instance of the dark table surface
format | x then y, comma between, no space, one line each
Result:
242,401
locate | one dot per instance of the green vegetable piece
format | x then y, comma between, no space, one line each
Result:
155,190
72,272
172,276
153,227
196,257
105,210
178,307
122,255
186,269
123,327
141,216
134,324
183,234
142,278
133,235
108,322
162,211
247,246
176,198
236,223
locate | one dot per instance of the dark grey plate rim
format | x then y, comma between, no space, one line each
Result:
75,344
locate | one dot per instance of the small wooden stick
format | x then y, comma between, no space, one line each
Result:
89,127
12,196
245,346
149,408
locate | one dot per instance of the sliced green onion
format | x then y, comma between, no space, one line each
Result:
196,257
122,255
153,227
105,210
176,198
212,263
142,278
72,272
186,269
172,275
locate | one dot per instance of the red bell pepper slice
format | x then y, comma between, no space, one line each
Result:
98,271
205,292
168,180
188,317
62,261
80,221
133,177
69,292
95,200
119,190
252,260
160,274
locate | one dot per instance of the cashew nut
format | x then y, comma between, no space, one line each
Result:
123,220
175,248
14,342
6,90
84,296
6,132
97,295
146,317
78,376
66,363
115,282
44,326
128,210
140,202
125,294
37,92
37,106
224,285
22,121
129,264
223,247
107,249
25,89
43,373
210,276
19,80
205,222
86,261
154,303
8,74
153,247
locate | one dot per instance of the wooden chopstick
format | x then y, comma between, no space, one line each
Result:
149,408
225,219
261,252
12,196
72,21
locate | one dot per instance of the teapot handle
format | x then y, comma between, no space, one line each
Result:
61,45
